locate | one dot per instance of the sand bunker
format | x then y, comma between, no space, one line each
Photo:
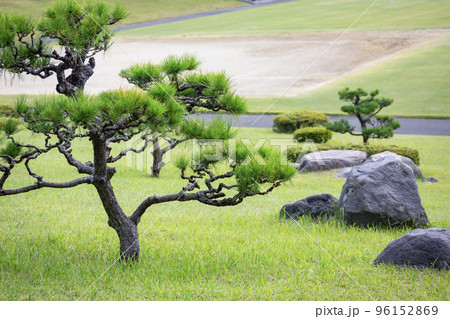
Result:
260,65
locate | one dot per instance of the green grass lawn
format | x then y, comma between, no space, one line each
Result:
417,80
56,244
140,10
312,16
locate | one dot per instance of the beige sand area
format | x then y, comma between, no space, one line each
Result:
259,65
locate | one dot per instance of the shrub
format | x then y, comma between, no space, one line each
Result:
9,124
318,134
7,110
289,122
413,154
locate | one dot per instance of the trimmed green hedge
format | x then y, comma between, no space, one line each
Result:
289,122
318,134
7,110
413,154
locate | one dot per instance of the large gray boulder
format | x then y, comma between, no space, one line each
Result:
420,248
376,157
323,205
326,160
382,191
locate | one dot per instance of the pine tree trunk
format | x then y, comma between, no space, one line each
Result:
125,228
75,82
129,241
157,158
363,128
365,139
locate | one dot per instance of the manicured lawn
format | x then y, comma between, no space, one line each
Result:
140,10
312,16
417,80
56,244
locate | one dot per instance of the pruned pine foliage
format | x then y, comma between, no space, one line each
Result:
118,116
252,169
207,91
216,129
80,28
365,106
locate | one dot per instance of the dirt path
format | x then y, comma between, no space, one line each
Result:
259,65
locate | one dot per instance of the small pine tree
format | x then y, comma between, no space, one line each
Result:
194,90
365,106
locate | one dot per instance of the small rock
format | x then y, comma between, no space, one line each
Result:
323,205
422,248
384,191
343,172
375,157
429,180
326,160
296,165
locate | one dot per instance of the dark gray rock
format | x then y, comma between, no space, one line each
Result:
322,205
382,191
429,180
326,160
420,248
375,157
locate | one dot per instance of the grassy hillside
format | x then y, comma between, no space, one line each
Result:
140,10
312,16
56,243
417,80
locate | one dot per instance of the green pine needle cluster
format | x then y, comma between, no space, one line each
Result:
178,74
81,24
142,74
8,127
120,107
251,168
12,27
173,66
266,166
83,28
217,128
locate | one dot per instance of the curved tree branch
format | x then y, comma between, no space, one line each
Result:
42,184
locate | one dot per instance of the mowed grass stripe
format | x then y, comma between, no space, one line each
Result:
139,10
311,16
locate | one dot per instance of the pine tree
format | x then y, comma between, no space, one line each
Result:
365,107
194,90
81,29
114,117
